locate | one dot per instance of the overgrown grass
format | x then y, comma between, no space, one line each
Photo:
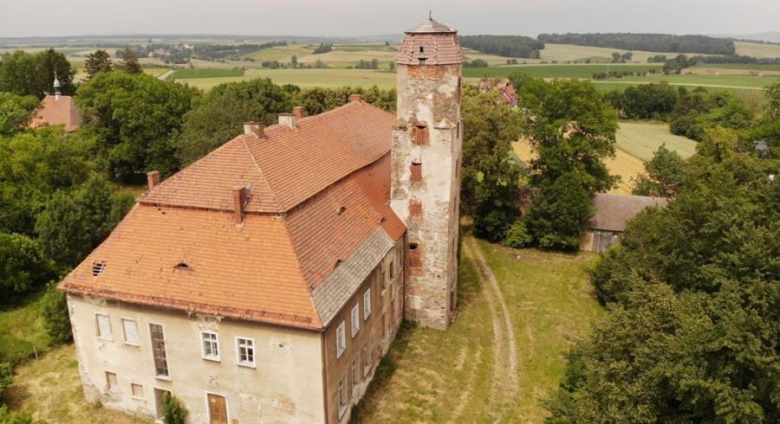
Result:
446,376
641,139
22,334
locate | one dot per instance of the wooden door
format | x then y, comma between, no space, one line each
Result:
217,409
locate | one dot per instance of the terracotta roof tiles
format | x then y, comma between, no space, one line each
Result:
57,111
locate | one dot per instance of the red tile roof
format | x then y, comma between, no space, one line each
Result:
317,193
57,111
438,48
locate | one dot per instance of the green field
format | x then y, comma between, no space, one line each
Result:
306,78
553,71
181,74
641,139
461,375
740,66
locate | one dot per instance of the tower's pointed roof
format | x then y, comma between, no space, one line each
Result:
430,26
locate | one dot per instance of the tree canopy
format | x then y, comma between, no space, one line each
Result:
98,61
133,118
15,111
33,74
130,62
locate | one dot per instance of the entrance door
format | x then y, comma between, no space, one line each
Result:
158,400
217,409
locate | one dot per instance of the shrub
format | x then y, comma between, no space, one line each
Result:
13,417
517,236
23,267
55,313
173,411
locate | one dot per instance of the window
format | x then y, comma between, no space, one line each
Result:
420,134
111,381
98,268
210,344
103,327
355,319
138,390
382,277
414,255
422,49
130,329
341,340
416,170
354,374
392,269
366,358
367,303
245,349
342,396
158,350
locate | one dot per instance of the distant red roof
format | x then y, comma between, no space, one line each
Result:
54,110
613,211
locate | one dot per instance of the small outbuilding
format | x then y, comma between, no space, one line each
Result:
57,110
613,211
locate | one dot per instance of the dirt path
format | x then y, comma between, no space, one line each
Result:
165,74
505,377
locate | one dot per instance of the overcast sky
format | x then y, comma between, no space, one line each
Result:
371,17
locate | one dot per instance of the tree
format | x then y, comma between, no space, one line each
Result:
34,165
15,112
222,112
33,75
23,266
173,410
773,101
294,61
130,62
319,99
491,176
665,174
648,101
557,212
98,61
133,119
572,129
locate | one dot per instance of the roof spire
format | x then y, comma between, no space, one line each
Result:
56,87
430,15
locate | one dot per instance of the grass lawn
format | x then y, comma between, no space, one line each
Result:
207,73
21,330
50,389
449,376
641,139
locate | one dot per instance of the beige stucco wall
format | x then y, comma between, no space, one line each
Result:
286,385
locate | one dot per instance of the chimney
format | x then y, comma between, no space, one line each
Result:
355,98
239,200
153,178
287,120
255,127
299,112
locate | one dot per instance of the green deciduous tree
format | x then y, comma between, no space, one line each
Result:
558,211
33,75
55,315
222,112
490,175
173,410
15,111
97,62
23,266
35,164
320,99
133,119
664,174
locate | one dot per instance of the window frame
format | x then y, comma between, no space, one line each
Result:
245,364
367,304
124,331
355,318
366,357
112,387
354,374
158,376
100,336
132,391
341,398
341,339
213,358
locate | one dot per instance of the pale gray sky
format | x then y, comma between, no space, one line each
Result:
370,17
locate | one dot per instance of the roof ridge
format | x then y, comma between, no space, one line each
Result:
262,174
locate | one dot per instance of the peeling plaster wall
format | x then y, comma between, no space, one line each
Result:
430,95
285,386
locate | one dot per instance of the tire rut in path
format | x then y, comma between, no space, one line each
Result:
505,378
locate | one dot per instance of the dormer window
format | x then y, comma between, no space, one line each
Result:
182,266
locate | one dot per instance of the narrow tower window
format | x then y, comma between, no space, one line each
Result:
422,49
420,134
416,170
415,259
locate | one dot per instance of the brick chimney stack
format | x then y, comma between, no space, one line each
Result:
153,178
239,203
355,98
299,112
255,127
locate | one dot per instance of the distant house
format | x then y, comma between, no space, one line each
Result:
57,110
613,211
506,93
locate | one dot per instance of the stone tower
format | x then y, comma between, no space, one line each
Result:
426,162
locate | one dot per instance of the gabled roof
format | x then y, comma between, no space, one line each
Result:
613,211
298,228
57,111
